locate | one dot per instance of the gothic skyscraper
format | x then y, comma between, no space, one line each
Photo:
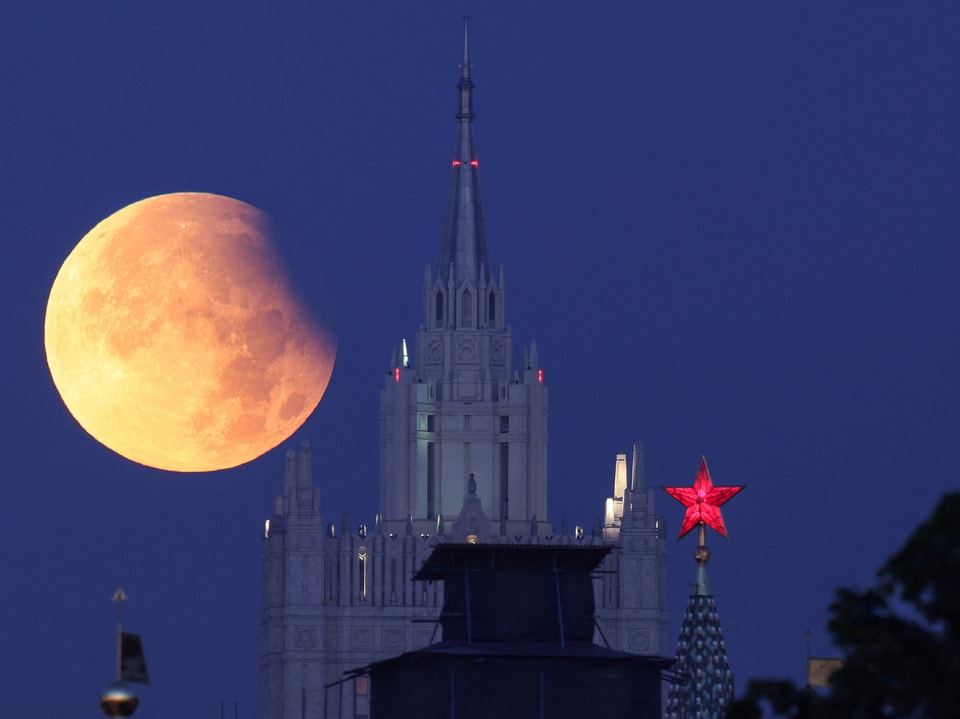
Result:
463,458
463,409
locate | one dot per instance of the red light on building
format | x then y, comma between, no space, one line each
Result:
396,374
475,163
540,376
456,163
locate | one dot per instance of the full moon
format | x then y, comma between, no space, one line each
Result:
175,336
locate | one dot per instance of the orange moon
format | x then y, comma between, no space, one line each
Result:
175,336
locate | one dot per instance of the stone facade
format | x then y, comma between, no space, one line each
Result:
334,600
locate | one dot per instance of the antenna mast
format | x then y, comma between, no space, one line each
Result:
119,597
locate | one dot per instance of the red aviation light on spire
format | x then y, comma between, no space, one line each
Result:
703,501
475,162
456,163
396,374
540,376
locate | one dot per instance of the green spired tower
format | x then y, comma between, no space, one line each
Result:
705,687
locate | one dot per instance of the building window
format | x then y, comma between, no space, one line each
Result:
466,309
362,685
438,303
504,480
331,589
362,573
431,423
393,581
504,423
431,478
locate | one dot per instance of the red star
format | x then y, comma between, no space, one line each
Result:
702,501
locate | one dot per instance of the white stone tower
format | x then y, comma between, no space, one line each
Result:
632,589
463,410
463,451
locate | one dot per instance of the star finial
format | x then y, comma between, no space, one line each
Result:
702,501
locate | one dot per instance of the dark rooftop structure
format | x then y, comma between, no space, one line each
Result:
518,628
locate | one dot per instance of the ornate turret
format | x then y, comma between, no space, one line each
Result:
705,687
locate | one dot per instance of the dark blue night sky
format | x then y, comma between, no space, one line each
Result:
732,232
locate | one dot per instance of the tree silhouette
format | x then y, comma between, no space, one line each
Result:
900,639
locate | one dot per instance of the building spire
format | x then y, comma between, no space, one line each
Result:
463,242
465,86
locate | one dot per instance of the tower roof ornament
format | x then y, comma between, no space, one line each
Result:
703,502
